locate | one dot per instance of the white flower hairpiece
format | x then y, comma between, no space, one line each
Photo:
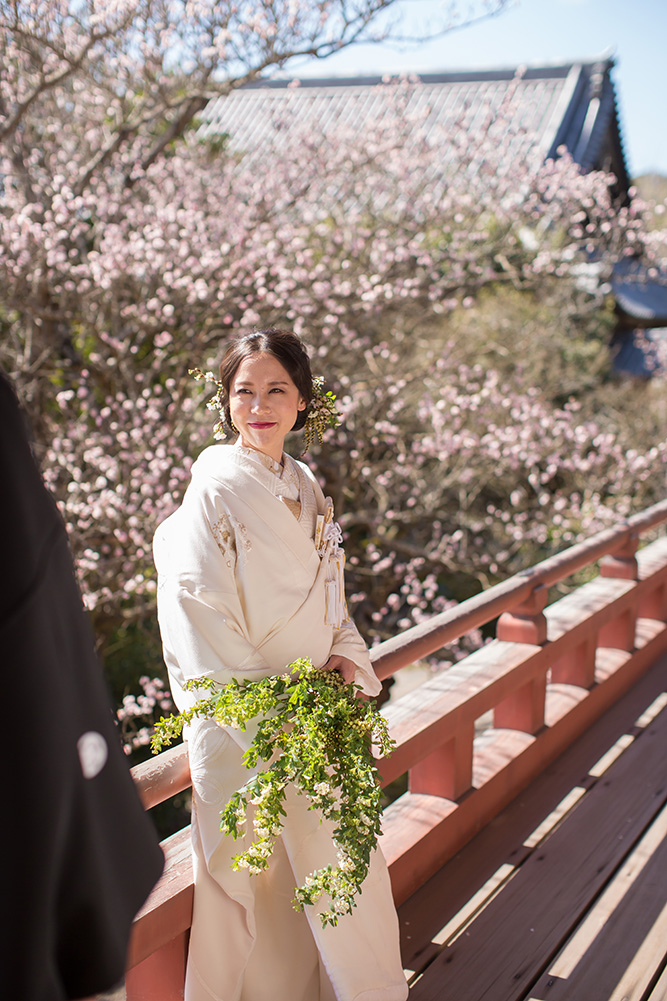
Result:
217,402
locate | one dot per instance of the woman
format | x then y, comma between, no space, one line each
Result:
250,579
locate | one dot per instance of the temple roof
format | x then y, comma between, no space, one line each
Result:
567,106
571,105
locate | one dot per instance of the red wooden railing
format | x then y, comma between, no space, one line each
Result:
552,670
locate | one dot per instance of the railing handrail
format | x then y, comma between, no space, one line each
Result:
168,773
445,627
162,776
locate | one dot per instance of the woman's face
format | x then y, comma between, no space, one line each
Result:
264,402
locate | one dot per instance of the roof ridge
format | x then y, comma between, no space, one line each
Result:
605,62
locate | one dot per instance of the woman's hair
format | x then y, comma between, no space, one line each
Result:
285,348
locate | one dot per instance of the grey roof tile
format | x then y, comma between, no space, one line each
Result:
571,105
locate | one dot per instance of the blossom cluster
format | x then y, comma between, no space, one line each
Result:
316,736
137,715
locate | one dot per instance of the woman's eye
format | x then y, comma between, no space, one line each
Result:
277,389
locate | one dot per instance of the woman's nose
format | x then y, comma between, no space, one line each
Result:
259,404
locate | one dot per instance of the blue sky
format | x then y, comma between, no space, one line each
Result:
536,32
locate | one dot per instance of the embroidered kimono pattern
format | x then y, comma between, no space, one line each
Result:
250,573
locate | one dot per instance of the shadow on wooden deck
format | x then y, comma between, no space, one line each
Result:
564,894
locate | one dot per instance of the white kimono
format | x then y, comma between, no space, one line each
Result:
242,593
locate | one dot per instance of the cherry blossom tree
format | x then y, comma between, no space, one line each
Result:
98,265
457,305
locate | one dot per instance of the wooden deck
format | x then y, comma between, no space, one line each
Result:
564,894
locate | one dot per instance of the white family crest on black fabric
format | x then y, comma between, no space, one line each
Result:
93,753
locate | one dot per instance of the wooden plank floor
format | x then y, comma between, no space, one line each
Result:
564,895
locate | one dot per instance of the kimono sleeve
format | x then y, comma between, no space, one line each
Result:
199,611
348,643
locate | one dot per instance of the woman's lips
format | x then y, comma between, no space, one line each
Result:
263,424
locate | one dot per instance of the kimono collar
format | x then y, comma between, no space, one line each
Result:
284,476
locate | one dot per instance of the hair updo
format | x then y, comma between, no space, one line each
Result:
286,348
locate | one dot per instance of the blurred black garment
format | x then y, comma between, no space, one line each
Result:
78,854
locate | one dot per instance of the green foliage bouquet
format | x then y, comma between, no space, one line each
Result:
314,733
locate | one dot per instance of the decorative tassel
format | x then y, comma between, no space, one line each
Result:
336,612
328,539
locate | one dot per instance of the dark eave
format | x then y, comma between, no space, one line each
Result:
641,295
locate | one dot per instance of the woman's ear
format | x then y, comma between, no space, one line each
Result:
301,405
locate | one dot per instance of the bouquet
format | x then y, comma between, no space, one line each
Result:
315,733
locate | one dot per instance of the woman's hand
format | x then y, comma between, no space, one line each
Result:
346,668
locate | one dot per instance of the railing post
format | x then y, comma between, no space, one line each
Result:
524,709
526,623
160,977
621,565
578,666
447,772
654,604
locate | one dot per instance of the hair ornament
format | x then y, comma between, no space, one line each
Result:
217,401
322,414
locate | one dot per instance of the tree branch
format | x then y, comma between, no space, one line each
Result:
49,83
